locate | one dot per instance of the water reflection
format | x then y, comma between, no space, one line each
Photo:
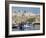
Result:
25,27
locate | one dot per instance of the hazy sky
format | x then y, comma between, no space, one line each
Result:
27,9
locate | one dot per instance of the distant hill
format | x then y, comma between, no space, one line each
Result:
22,17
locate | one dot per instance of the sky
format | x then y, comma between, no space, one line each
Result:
27,9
